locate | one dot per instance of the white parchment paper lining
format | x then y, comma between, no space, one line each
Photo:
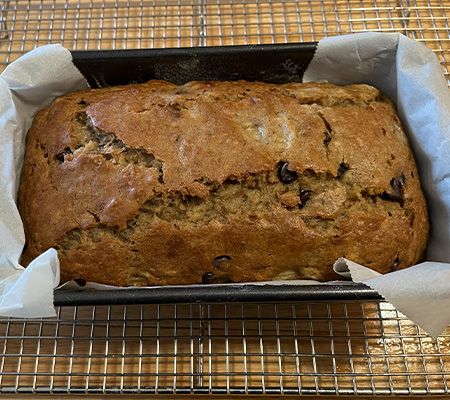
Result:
403,69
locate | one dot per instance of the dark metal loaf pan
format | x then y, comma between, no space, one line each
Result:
267,63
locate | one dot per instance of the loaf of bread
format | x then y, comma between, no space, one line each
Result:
158,184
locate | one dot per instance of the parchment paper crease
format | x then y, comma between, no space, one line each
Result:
403,69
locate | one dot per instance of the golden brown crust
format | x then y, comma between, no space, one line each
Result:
157,183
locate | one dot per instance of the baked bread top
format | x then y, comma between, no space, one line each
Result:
323,157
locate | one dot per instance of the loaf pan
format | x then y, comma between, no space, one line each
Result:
267,63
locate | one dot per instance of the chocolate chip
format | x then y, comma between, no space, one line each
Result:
398,183
82,102
80,282
343,168
285,174
305,195
60,156
395,263
208,277
222,262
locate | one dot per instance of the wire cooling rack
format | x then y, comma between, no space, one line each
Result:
91,24
312,348
302,348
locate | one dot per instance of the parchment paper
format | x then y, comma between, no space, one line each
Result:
27,85
411,76
403,69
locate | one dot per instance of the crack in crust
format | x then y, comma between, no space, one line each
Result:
246,198
110,147
328,132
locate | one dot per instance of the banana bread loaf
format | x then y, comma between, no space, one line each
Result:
156,184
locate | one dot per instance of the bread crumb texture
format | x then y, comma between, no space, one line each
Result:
156,184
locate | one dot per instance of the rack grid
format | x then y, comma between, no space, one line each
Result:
302,348
119,24
314,348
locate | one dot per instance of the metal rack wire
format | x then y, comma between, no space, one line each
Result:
303,348
92,24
